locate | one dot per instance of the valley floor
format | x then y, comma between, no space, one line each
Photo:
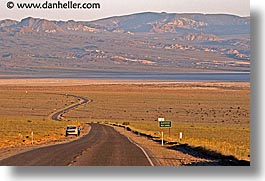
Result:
214,115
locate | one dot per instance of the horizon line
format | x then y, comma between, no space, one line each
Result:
185,13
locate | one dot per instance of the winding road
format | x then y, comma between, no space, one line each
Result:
103,146
57,116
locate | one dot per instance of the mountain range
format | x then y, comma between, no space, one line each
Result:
218,24
138,42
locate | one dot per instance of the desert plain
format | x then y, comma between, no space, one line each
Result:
211,115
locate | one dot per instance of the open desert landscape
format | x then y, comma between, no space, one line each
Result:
211,115
113,78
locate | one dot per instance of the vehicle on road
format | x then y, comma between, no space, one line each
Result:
72,130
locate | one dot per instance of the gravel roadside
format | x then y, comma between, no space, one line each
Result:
166,155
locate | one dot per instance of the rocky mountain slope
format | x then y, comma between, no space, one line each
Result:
151,42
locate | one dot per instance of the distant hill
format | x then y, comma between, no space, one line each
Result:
34,25
143,42
217,24
7,22
171,22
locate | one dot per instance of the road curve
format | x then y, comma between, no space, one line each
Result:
56,116
103,146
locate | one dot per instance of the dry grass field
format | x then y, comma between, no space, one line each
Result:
24,110
213,115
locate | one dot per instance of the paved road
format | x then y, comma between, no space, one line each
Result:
103,146
57,115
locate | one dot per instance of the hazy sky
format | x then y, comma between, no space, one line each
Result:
122,7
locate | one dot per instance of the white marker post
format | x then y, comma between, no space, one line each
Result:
180,136
32,137
162,133
162,138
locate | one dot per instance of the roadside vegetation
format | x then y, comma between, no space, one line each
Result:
215,116
24,110
225,139
17,131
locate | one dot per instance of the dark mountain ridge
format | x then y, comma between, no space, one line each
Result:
217,24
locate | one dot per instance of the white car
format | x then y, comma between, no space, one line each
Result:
72,130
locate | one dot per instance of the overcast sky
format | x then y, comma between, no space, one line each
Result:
123,7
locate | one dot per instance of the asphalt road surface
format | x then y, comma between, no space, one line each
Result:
103,146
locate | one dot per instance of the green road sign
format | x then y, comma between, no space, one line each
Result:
165,124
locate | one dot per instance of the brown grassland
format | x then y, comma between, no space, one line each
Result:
213,115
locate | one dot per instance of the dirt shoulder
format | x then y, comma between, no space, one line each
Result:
178,155
10,151
163,155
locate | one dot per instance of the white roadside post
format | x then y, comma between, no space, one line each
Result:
180,136
32,137
162,133
162,138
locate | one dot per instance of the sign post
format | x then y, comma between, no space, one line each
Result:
164,124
